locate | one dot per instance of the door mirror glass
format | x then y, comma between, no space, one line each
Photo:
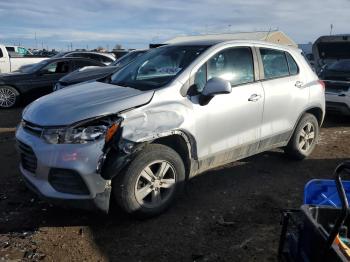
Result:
216,86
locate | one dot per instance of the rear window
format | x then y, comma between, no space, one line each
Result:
83,63
10,49
1,54
105,59
274,62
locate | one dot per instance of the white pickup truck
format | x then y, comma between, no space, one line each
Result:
10,62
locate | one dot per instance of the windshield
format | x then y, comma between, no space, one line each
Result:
125,59
343,66
29,69
157,67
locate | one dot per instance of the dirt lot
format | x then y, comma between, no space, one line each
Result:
249,194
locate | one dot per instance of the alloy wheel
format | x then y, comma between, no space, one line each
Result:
7,97
306,137
155,184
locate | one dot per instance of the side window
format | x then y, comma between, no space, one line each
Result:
274,62
56,68
1,54
234,65
293,67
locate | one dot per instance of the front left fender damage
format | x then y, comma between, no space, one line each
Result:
139,129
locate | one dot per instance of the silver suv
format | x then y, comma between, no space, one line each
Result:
173,113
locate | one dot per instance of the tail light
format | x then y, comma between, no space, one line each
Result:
322,83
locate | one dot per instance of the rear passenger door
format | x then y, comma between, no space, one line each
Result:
228,127
285,96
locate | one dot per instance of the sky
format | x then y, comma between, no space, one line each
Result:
136,23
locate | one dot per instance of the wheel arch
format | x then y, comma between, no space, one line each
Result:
13,86
183,144
317,112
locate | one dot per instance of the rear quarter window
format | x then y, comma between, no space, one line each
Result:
293,67
1,54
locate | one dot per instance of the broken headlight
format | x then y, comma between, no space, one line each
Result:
74,135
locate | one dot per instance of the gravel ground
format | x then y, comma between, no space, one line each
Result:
227,214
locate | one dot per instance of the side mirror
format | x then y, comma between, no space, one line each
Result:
216,86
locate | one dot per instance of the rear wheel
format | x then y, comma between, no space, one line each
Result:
151,182
304,138
9,97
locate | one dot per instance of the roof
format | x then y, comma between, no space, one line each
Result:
58,59
277,37
91,52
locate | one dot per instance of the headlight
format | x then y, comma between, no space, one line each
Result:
79,135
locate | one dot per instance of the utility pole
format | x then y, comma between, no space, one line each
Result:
36,41
331,31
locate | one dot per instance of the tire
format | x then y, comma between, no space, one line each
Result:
143,194
304,138
9,97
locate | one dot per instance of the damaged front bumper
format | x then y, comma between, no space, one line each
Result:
65,174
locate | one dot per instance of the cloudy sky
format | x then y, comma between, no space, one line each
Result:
136,23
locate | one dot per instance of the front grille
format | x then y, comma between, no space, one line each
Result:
28,158
32,128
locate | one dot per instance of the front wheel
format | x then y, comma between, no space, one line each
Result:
304,138
151,182
9,97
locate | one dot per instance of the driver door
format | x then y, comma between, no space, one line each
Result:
228,127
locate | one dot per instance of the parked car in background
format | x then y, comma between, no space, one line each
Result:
11,61
93,72
332,62
173,113
45,52
104,58
38,79
337,81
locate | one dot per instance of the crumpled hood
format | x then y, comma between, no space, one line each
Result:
71,105
86,74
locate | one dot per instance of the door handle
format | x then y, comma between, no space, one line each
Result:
299,84
254,97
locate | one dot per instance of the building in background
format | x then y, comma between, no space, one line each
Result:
277,37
